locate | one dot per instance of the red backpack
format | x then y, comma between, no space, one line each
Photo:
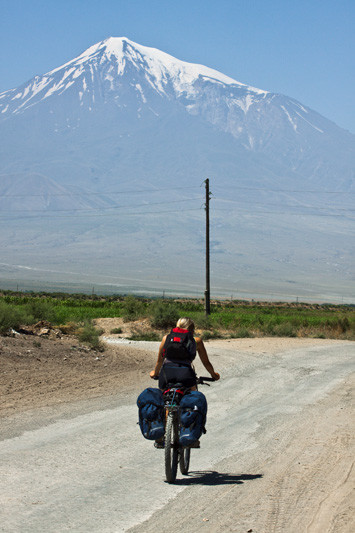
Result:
180,345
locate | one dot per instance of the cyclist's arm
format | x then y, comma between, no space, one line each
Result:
155,373
204,359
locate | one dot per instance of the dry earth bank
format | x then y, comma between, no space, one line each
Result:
41,372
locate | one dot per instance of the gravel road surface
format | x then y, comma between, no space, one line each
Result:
277,456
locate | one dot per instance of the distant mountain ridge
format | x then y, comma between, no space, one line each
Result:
122,116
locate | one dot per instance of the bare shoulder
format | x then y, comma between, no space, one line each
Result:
162,342
199,343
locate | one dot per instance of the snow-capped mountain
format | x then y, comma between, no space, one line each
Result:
104,66
123,115
141,82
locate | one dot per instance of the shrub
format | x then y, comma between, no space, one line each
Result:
115,331
144,336
41,310
285,330
344,324
202,321
132,308
206,335
163,314
91,336
13,317
242,333
69,329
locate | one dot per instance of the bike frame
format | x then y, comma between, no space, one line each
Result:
175,453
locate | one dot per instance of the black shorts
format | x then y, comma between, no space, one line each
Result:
177,373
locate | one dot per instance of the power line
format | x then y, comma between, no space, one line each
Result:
104,208
141,191
290,206
255,213
49,213
105,193
317,191
99,216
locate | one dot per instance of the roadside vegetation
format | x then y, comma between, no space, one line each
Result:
90,335
228,319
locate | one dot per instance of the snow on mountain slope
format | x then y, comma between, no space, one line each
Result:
123,75
113,59
120,82
165,74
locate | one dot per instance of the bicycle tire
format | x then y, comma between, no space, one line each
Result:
171,448
185,460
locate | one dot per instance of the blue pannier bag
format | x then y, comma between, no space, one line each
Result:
151,413
193,411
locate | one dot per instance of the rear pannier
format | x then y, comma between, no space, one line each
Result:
193,411
151,413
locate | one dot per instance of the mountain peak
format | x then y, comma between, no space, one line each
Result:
108,62
159,65
109,46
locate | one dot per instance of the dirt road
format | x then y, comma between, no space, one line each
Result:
277,455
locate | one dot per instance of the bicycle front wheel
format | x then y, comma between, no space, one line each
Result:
171,447
185,461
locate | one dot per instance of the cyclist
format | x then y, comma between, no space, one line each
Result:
181,371
178,370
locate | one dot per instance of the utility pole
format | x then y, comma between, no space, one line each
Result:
207,207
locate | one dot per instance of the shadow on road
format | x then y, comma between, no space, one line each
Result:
215,478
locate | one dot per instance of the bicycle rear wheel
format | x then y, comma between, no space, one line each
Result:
185,460
171,451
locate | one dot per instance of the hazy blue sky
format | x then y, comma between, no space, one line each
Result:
301,48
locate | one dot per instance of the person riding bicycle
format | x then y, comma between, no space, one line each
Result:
180,370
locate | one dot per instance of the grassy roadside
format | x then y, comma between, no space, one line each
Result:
228,319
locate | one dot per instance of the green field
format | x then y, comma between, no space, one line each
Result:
228,319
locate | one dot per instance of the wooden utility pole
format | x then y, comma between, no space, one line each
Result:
207,207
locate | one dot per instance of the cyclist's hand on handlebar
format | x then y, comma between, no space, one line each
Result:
215,376
152,375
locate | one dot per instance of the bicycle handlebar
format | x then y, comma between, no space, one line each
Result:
202,379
